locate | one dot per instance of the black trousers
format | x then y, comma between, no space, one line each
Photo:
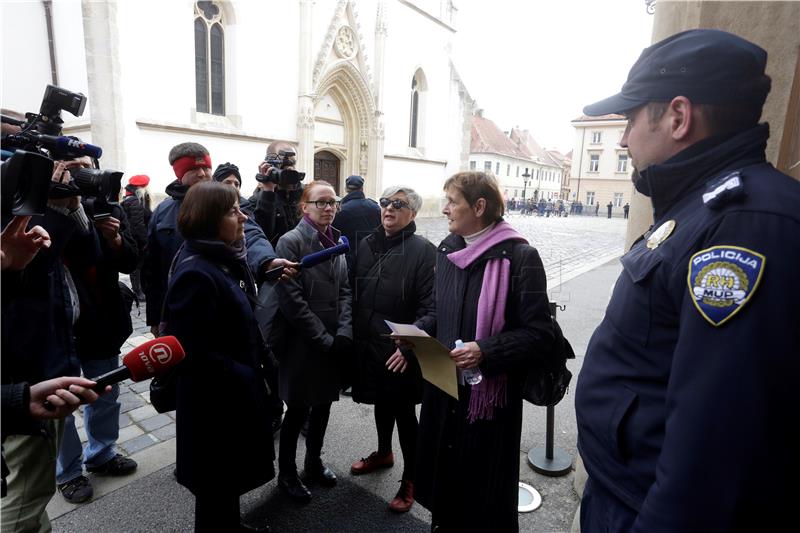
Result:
405,415
290,431
218,512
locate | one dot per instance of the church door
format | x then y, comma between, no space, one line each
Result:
326,167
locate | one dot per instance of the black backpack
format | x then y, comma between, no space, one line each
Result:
548,378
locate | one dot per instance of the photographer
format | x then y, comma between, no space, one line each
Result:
276,198
102,328
45,300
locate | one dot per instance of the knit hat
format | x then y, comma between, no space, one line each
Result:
226,169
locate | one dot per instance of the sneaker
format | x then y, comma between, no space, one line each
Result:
76,490
404,499
371,463
117,466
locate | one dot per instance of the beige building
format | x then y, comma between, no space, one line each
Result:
600,167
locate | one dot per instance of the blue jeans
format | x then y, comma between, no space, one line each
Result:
101,422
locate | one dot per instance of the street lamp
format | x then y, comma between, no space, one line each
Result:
525,178
538,183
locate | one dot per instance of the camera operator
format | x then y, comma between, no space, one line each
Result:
276,200
41,316
102,328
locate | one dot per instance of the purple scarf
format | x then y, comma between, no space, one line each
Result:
326,237
491,391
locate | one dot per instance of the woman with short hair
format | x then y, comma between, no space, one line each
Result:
394,281
209,308
491,294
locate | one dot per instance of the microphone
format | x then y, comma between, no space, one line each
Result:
313,259
147,360
69,145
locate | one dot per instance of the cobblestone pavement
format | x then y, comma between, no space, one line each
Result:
568,246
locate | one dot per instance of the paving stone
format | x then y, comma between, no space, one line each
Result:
124,420
130,432
166,432
151,424
147,411
146,396
139,443
129,402
141,386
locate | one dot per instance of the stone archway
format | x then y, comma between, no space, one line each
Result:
326,168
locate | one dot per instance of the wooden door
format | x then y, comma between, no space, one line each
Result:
326,167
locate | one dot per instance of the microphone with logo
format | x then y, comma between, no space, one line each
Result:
146,361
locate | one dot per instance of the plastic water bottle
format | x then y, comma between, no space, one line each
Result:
472,376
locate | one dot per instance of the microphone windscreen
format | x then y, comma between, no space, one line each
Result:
68,144
318,257
153,357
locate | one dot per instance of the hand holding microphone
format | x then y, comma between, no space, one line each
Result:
313,259
145,361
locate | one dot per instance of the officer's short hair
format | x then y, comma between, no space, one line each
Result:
186,149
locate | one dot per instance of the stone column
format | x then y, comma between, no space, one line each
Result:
374,183
305,98
776,32
103,69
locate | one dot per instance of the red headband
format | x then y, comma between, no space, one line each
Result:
184,164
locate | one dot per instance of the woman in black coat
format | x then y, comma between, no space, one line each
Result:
393,281
221,389
491,293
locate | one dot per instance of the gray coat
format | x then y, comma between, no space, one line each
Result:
314,308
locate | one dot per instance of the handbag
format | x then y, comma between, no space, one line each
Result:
548,379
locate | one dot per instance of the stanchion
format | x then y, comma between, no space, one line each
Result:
550,461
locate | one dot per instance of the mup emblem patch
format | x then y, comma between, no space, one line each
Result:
722,279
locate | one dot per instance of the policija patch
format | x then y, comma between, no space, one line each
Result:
722,279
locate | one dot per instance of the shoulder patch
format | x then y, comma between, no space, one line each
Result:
723,190
722,279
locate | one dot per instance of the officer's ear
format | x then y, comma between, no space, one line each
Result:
684,120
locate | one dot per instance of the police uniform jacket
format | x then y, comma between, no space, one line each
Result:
687,399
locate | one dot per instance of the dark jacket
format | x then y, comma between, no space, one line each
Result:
276,212
358,218
164,240
393,281
105,321
467,474
315,308
37,330
208,308
138,219
684,391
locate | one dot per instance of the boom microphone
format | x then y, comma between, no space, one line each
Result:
313,259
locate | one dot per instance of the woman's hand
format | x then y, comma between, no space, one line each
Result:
469,356
397,362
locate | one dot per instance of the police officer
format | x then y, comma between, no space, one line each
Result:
686,401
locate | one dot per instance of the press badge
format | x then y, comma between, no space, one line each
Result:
722,279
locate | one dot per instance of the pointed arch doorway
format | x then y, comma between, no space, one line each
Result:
326,168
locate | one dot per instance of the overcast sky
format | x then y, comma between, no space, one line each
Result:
536,63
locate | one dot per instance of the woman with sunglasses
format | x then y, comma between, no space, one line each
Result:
315,336
394,281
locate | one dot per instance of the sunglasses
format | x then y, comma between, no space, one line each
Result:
322,204
397,204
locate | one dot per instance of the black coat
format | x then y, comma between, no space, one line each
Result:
138,219
105,321
467,474
276,212
315,307
393,281
224,438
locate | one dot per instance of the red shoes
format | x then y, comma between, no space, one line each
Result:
371,463
405,497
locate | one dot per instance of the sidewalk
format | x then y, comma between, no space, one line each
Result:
151,500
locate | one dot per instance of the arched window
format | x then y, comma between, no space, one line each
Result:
209,58
415,129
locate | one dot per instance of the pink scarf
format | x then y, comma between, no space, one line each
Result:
491,391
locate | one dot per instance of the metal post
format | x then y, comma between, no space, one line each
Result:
550,461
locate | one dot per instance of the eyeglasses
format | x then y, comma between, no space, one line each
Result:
397,204
322,204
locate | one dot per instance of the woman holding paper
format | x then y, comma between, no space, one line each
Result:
491,294
394,281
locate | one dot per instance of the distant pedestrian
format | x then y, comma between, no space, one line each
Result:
597,209
609,206
625,209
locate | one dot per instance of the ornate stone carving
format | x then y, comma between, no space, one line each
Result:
345,43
